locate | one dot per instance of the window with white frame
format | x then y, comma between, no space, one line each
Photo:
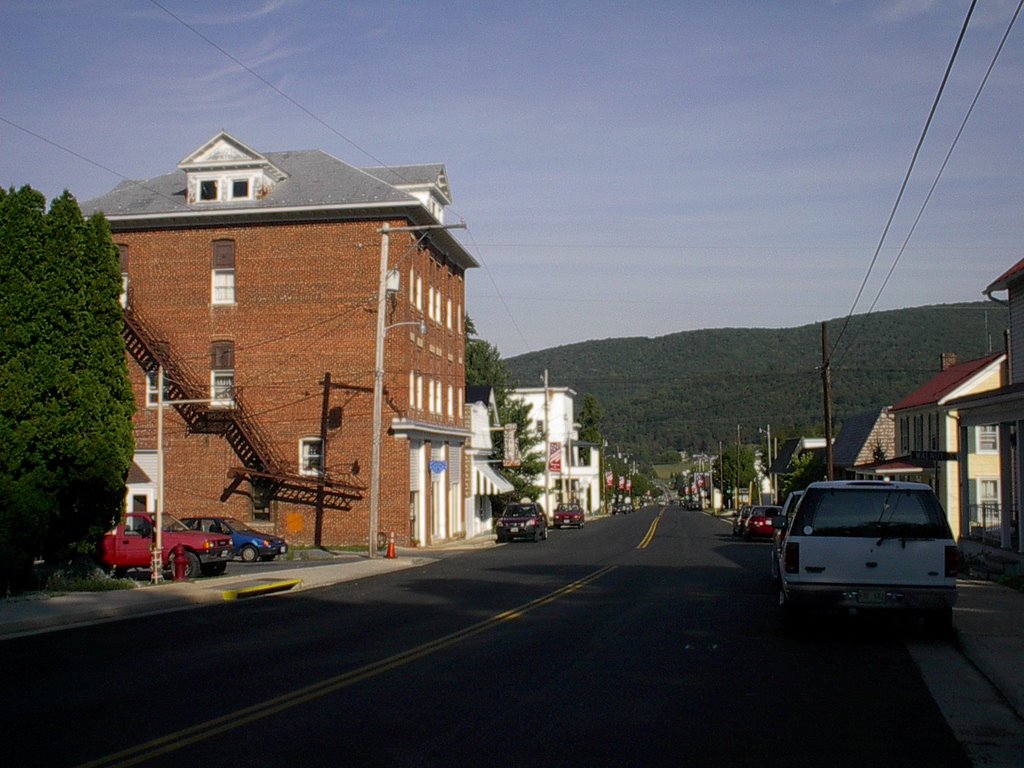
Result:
987,439
412,389
223,272
419,293
437,306
451,401
412,286
241,189
448,320
222,373
419,392
122,256
209,190
311,457
151,389
430,303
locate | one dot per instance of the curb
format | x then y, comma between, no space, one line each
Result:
256,590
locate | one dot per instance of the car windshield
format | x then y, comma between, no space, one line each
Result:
238,526
896,513
173,524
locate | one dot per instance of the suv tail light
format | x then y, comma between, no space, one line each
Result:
952,560
792,557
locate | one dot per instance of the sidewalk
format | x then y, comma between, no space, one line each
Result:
38,612
988,618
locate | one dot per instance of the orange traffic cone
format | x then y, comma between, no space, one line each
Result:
391,546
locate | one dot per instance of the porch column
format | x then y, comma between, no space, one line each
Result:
1009,468
1014,454
965,483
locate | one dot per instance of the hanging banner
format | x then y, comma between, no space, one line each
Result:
622,483
554,457
629,484
511,456
609,479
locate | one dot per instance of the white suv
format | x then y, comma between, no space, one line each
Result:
869,545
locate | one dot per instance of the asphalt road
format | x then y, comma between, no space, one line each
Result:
643,640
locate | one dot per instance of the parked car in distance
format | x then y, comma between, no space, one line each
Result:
569,515
522,520
779,535
128,544
761,522
740,520
246,542
870,546
622,508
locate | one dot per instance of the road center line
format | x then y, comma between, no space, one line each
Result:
202,731
650,532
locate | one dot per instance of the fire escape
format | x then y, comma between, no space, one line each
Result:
270,478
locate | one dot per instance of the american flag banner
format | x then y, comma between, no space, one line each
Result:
555,457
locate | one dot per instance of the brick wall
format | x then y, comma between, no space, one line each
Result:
305,304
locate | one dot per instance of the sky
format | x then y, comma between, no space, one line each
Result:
623,168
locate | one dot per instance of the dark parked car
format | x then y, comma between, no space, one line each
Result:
779,535
622,508
760,522
569,514
522,520
247,543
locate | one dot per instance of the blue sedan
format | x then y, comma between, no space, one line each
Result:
248,543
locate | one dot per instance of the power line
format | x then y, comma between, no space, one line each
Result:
906,177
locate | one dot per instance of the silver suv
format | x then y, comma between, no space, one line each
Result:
866,545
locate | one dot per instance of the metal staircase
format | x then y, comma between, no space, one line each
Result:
270,477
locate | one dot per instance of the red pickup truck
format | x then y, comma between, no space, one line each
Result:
128,546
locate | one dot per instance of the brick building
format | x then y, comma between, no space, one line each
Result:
251,286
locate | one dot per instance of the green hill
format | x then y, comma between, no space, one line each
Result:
691,389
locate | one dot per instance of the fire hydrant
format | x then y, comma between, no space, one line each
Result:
180,561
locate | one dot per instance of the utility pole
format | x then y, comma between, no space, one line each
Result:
826,383
736,497
322,469
547,450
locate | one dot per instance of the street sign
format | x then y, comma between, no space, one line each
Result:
933,456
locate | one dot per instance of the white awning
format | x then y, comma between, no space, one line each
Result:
489,482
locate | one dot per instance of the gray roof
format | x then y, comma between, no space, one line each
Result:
315,179
851,439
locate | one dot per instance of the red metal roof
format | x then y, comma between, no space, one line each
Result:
948,380
1002,282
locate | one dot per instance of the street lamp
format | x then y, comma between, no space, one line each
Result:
378,369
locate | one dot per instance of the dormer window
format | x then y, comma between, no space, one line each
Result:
208,190
224,169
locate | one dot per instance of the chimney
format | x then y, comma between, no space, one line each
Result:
947,361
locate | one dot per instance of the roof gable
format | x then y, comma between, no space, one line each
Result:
225,152
955,381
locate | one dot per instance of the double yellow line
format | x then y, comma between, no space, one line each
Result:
202,731
650,532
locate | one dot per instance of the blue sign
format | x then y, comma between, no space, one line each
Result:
437,467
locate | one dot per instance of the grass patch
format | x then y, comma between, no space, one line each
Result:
1013,581
84,577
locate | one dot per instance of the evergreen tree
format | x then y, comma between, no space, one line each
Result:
590,420
65,398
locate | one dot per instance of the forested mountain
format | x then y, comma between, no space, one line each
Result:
691,389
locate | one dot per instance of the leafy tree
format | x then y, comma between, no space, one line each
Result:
736,469
484,367
808,467
65,398
590,419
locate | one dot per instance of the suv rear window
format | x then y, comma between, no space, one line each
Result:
886,513
518,510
